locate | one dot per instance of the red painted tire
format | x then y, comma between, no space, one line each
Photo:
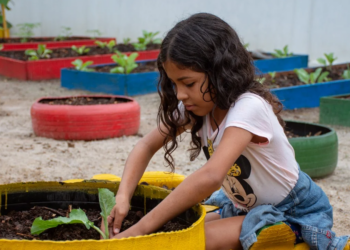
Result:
86,122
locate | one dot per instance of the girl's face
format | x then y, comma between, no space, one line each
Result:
188,85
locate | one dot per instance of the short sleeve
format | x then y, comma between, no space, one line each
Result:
252,113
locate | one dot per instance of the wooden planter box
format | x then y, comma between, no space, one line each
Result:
23,196
335,110
308,96
87,41
116,84
281,64
50,68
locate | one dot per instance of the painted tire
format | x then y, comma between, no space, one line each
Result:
316,155
86,122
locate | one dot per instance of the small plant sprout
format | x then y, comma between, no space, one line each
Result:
41,53
65,33
148,37
346,73
272,75
313,77
80,50
282,53
246,45
261,80
329,58
126,41
110,45
94,33
79,65
26,30
78,216
100,44
126,63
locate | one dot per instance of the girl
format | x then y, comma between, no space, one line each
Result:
207,86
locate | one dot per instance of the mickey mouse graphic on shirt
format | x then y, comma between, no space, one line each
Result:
234,184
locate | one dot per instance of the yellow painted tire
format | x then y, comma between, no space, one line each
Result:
59,194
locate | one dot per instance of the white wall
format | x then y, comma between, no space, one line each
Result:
307,26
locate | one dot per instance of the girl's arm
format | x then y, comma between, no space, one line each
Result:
135,166
197,186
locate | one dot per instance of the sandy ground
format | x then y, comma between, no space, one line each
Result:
25,157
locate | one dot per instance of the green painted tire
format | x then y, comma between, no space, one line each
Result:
316,155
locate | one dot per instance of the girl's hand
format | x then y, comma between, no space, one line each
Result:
130,232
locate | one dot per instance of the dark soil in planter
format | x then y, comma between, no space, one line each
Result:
17,224
142,67
77,101
289,79
40,39
68,52
291,134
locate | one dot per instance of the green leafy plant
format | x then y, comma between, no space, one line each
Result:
329,58
81,50
79,65
78,216
126,63
110,45
65,33
94,33
273,75
26,30
246,45
313,77
126,41
345,75
282,53
148,37
41,53
261,80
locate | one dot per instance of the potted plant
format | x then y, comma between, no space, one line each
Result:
85,117
335,110
124,77
56,197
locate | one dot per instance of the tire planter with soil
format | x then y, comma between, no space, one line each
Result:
281,64
110,83
59,195
335,110
317,155
15,44
85,122
308,96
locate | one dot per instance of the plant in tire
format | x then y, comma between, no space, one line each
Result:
78,216
125,63
41,53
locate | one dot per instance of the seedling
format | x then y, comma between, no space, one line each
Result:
282,53
81,50
329,58
312,77
126,63
26,30
261,80
65,33
41,53
110,45
273,75
246,45
79,65
126,41
346,73
148,37
94,33
78,216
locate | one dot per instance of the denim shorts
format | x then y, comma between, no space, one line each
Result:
306,205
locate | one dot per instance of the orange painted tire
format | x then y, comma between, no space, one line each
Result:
85,122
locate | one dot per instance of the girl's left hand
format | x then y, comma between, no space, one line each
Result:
130,232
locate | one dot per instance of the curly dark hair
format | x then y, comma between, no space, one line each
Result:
205,43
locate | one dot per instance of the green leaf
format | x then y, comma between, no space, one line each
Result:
323,77
76,216
302,75
78,64
322,61
132,57
272,74
107,202
117,70
131,67
315,75
157,41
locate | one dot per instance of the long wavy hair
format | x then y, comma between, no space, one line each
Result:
205,43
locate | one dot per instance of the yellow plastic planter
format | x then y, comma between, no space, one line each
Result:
2,33
21,196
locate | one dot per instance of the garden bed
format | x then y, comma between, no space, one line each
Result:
295,94
335,110
50,68
33,42
281,64
143,81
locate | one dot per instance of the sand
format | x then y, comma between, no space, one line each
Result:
25,157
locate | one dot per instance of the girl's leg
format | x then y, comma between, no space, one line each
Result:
223,234
212,216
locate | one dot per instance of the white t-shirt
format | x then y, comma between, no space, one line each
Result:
264,173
